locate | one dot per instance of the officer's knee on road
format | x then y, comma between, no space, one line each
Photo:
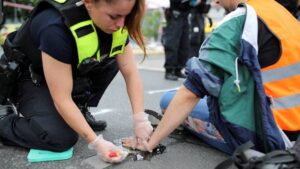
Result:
59,140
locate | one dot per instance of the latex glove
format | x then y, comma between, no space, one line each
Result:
107,150
142,127
131,142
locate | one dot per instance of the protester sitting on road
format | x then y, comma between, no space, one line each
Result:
68,53
249,70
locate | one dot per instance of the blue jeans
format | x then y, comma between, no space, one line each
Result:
199,124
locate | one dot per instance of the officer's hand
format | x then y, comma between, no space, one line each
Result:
107,150
142,127
132,143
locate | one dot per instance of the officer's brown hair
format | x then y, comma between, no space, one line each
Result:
133,22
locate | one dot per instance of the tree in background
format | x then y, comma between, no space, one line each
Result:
151,24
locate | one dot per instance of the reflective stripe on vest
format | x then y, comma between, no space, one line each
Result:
282,79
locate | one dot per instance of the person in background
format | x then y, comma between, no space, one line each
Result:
68,52
197,26
246,78
175,38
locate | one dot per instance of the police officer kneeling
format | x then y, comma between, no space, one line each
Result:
59,63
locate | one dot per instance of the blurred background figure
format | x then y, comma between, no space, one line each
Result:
175,38
197,26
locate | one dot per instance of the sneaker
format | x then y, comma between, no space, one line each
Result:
96,125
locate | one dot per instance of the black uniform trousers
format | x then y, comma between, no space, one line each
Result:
197,32
41,126
175,40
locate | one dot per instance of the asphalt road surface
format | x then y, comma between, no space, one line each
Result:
189,153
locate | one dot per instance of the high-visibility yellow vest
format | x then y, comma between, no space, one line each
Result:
84,31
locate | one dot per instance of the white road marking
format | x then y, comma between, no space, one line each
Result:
161,91
151,68
102,111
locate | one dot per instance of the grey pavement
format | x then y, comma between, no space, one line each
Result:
115,108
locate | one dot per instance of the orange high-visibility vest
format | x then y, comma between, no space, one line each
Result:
282,80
